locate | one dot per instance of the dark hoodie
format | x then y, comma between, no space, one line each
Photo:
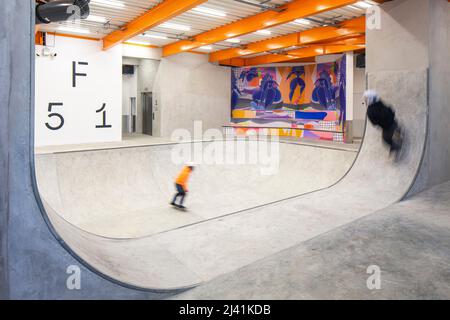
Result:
381,115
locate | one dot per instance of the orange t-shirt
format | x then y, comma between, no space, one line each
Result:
183,177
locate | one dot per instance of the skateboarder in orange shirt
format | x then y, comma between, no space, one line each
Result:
181,185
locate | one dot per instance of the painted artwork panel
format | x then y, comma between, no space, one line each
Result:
310,100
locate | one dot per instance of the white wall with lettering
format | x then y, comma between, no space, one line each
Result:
84,106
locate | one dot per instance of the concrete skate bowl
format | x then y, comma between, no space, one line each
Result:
129,249
104,203
125,193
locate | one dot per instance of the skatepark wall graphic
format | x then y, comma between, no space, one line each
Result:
300,101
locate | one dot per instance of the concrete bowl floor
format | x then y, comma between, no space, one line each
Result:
125,192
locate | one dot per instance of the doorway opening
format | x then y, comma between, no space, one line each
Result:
138,110
147,113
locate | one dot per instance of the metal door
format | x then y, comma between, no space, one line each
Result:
147,113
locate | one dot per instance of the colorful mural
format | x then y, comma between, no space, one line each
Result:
302,101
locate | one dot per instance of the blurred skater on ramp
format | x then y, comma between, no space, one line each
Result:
181,185
383,116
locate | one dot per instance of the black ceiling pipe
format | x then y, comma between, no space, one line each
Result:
61,10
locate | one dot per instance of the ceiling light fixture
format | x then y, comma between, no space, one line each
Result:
174,26
154,36
209,12
73,30
363,4
96,19
109,3
264,32
301,21
137,42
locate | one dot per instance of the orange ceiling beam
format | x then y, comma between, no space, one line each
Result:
289,12
308,52
311,51
353,44
39,38
354,40
304,60
347,28
234,62
164,11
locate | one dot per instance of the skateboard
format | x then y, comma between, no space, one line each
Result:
177,207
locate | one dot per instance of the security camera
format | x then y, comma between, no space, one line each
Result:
47,52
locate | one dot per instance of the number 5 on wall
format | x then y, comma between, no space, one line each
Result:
53,115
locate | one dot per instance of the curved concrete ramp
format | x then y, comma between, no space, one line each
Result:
102,203
187,256
124,193
409,241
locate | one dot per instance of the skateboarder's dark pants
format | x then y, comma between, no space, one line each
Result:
383,116
181,193
388,135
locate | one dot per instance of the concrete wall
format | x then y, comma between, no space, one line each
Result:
6,76
415,35
37,262
350,75
436,167
359,112
356,84
147,73
402,42
188,88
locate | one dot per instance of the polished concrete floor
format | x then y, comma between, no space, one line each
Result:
408,241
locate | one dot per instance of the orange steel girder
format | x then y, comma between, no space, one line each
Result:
289,12
356,43
347,28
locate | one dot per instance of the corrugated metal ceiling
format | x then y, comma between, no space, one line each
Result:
116,17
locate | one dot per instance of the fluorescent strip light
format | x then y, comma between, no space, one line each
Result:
138,42
154,36
234,40
96,19
208,48
73,30
302,21
210,12
109,3
264,32
168,25
363,4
